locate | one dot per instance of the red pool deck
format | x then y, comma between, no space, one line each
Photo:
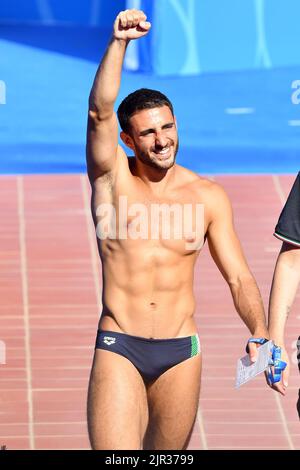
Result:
50,292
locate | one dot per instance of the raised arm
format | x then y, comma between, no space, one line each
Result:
285,283
227,253
102,147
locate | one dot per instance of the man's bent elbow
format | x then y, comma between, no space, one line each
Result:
100,109
98,115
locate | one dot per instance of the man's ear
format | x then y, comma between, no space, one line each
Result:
127,140
175,120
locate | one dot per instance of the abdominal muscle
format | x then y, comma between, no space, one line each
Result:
147,291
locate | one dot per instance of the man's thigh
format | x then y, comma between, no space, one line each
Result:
117,403
173,402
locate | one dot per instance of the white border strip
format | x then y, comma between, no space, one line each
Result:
2,92
284,422
24,280
279,189
201,427
239,110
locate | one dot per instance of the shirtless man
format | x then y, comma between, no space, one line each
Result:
286,277
145,378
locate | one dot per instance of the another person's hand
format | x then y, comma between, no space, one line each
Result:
282,385
131,24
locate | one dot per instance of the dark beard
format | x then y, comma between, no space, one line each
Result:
144,157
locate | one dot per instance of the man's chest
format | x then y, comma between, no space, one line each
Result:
173,221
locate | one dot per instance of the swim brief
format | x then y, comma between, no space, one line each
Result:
151,357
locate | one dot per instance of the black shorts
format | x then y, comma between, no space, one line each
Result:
288,226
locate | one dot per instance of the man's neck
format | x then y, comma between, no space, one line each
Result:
156,179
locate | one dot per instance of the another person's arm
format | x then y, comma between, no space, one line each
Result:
227,253
102,132
286,274
285,283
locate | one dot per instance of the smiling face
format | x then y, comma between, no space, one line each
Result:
153,137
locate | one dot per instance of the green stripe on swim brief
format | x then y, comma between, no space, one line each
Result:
195,345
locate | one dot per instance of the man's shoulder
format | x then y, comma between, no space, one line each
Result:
204,184
189,176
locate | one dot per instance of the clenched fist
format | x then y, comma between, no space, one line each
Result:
131,24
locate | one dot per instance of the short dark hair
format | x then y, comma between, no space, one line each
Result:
143,98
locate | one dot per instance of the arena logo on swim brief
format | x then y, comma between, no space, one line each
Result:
2,92
109,340
296,94
2,352
152,222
